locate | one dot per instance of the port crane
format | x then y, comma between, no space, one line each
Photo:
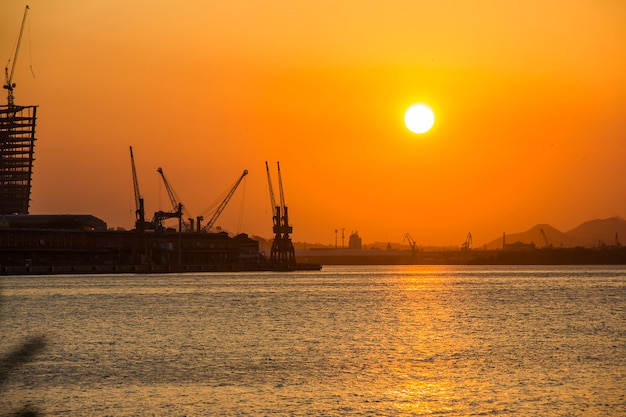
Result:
9,84
545,238
275,219
222,205
177,207
286,228
411,243
275,208
141,251
468,243
140,217
282,254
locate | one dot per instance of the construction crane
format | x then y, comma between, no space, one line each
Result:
411,242
140,222
467,244
10,85
223,204
177,207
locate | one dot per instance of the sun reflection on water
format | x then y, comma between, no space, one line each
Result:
358,341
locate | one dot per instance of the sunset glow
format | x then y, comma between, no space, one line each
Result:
528,99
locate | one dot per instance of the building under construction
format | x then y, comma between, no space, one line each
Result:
17,146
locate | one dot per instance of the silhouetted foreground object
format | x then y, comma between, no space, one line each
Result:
26,412
14,360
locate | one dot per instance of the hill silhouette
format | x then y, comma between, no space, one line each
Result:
594,233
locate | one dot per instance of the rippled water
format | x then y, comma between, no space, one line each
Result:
365,341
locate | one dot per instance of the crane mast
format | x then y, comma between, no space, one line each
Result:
224,203
10,85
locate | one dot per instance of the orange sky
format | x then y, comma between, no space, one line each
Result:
529,98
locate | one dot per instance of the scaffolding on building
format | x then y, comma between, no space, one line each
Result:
17,145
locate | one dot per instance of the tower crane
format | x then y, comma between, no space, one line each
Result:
223,204
468,243
10,85
177,207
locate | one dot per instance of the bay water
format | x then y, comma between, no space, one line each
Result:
344,341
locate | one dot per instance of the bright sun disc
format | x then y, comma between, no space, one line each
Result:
419,118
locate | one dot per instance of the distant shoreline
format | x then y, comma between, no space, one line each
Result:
542,256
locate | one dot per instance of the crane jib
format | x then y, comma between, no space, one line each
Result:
9,75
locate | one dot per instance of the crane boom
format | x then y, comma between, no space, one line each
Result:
170,192
224,203
9,75
280,188
139,210
276,220
135,180
269,183
177,207
286,228
411,242
468,242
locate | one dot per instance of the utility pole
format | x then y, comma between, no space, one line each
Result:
342,237
336,238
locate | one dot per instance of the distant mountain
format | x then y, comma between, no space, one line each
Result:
600,232
590,234
549,237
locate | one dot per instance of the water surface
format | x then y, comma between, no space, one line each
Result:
362,341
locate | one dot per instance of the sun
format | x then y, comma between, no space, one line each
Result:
419,118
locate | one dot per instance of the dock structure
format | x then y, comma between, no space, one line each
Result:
17,145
